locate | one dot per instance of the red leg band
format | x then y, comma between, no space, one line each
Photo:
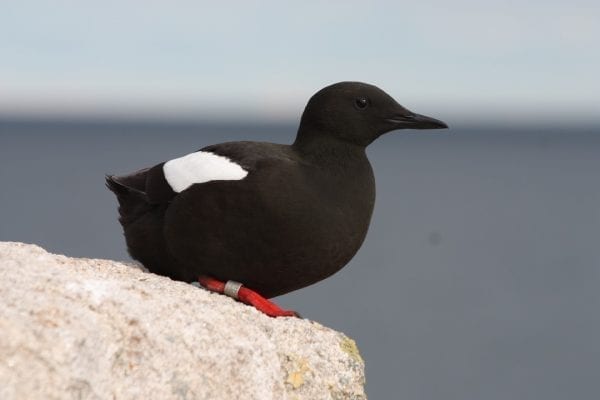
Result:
249,297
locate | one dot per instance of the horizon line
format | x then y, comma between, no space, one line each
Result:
257,120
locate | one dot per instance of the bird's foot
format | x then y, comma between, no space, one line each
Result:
236,291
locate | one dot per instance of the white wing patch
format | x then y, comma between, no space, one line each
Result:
200,167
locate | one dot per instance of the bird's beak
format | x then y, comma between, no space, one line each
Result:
416,121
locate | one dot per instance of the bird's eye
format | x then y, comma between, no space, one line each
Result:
361,103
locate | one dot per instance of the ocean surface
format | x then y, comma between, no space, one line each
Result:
480,275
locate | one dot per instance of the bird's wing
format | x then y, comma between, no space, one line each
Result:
161,183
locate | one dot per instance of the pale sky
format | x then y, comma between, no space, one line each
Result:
474,59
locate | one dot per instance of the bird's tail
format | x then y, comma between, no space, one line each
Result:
133,203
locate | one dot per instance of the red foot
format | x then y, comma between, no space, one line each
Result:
249,297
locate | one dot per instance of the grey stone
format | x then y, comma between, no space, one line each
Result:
98,329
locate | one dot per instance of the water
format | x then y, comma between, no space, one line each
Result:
479,277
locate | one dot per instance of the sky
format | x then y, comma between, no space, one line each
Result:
235,60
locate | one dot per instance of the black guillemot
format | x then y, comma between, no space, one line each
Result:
254,219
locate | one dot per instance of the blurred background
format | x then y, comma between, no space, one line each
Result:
480,274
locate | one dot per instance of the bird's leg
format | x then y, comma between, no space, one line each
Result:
237,291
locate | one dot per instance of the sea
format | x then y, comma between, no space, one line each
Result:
480,275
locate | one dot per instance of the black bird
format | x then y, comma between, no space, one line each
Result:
272,217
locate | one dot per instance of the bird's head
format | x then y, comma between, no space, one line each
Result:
358,113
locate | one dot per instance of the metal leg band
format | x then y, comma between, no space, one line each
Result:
232,289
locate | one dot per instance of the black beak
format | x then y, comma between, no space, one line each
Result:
416,121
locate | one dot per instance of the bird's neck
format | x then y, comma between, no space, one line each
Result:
321,147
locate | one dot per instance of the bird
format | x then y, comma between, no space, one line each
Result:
254,220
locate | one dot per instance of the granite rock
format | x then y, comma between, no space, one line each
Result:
76,328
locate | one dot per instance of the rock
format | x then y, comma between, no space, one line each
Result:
75,328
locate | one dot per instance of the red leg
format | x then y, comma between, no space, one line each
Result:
249,297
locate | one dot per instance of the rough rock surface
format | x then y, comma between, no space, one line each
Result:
98,329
